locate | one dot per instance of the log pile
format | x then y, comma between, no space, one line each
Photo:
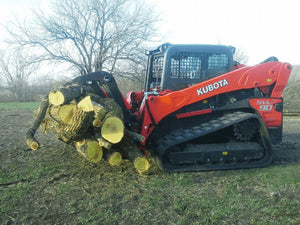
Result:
92,124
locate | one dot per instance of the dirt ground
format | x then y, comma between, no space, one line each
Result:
59,163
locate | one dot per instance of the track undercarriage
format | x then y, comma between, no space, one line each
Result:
244,143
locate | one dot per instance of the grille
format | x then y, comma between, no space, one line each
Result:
190,65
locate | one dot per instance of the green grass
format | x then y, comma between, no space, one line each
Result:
256,196
19,105
53,185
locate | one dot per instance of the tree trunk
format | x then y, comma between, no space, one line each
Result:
65,94
41,111
90,150
131,151
114,158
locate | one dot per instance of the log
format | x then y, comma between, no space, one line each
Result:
141,164
112,130
78,128
103,143
86,104
67,112
41,112
99,111
131,151
135,136
111,107
65,94
90,150
114,158
32,143
97,123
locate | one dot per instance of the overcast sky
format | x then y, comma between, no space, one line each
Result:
261,28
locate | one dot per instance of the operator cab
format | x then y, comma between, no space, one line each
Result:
175,67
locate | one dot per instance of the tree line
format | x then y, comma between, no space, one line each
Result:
83,36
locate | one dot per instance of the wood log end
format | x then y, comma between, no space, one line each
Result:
112,130
33,144
94,151
86,104
67,112
115,159
104,143
97,123
56,98
141,164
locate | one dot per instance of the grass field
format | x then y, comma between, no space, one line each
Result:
19,105
55,185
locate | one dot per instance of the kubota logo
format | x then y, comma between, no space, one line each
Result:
211,87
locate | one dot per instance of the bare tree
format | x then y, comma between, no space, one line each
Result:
15,71
90,35
240,56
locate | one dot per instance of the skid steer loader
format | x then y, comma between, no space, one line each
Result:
201,110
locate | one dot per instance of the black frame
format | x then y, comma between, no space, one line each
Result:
167,51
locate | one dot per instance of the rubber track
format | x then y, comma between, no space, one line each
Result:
164,144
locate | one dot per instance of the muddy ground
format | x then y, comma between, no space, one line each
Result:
47,175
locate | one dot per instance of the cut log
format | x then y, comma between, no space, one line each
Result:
32,143
131,151
78,144
114,158
65,94
111,107
135,136
141,164
89,149
112,130
103,143
97,123
67,112
41,112
99,111
86,104
78,128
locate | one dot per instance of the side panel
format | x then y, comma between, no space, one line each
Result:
261,75
270,110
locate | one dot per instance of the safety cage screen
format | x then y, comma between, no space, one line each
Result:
157,69
192,65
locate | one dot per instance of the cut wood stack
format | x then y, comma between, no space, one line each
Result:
90,123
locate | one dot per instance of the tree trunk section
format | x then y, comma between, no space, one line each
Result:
90,150
30,140
65,94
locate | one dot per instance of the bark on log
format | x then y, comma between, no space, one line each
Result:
30,140
78,128
135,136
131,151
